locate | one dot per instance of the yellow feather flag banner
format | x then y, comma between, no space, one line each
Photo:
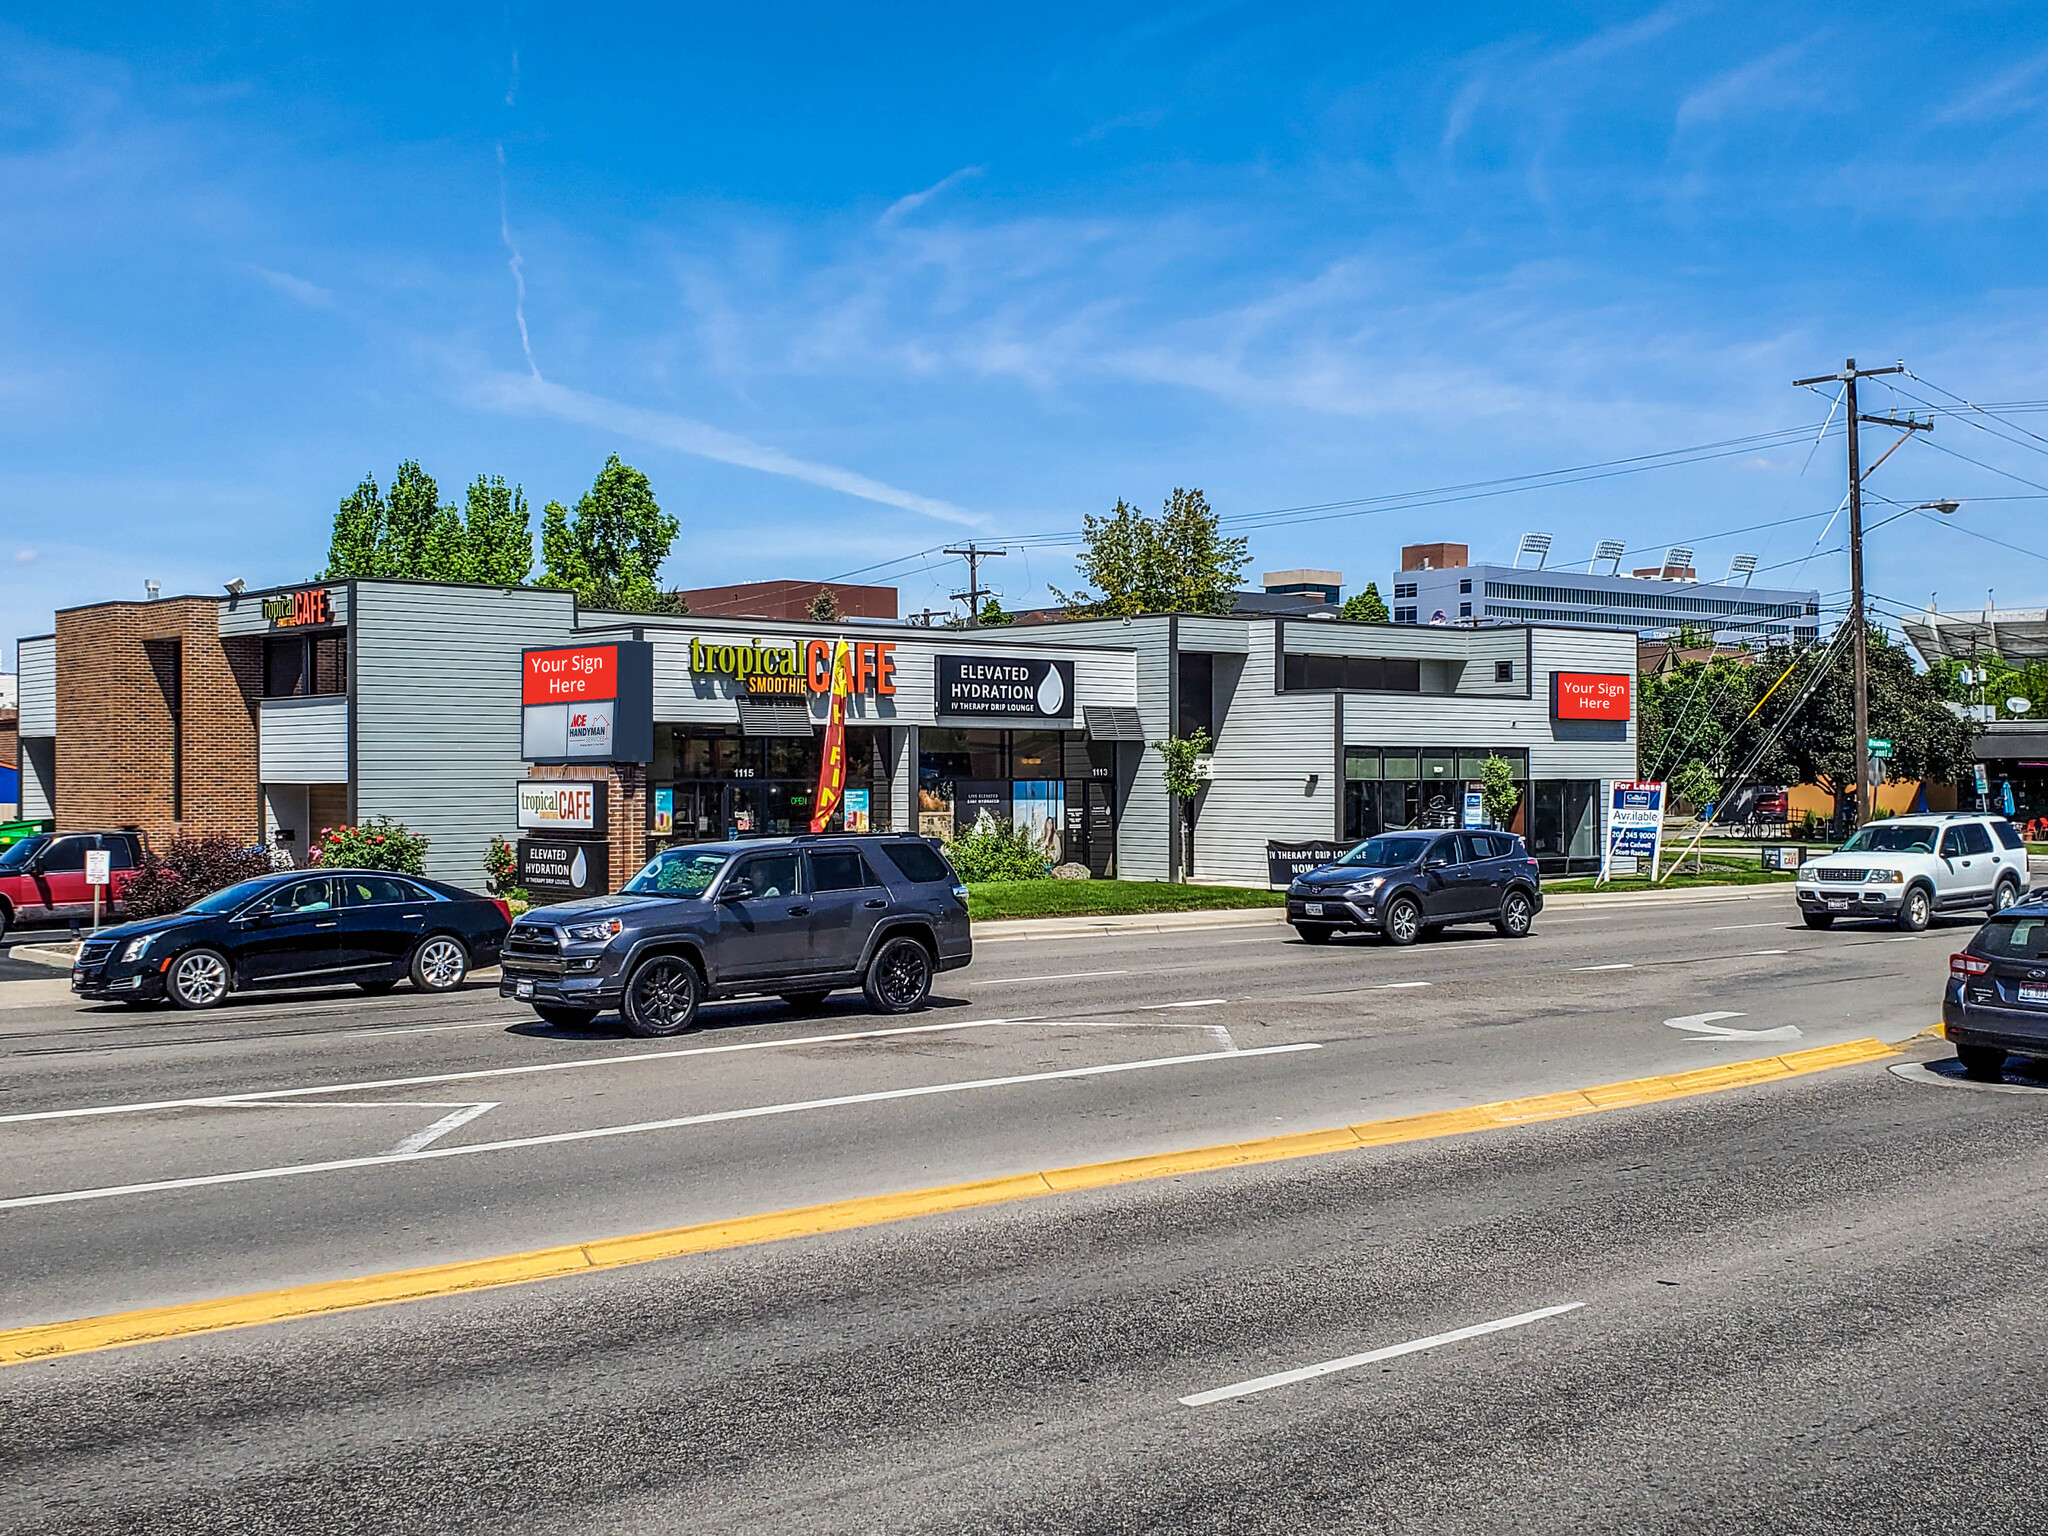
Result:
832,766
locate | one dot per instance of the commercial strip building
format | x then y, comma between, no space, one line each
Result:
275,714
2011,754
1437,584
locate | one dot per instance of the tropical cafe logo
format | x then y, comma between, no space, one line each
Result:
767,668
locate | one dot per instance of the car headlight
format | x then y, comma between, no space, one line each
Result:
135,949
1367,887
595,933
1887,877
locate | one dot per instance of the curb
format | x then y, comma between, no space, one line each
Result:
58,956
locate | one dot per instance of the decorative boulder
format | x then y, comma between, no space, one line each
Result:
1071,872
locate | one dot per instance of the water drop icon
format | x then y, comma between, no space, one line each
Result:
1052,693
579,869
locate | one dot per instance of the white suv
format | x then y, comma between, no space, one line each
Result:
1912,867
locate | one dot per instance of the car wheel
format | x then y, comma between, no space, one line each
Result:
198,979
899,978
661,999
1985,1063
1402,923
1517,913
2007,895
4,920
1315,933
1916,910
378,987
440,964
1818,919
565,1018
806,1000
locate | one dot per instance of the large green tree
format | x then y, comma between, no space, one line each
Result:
410,535
412,544
1367,607
1178,562
609,552
358,532
499,533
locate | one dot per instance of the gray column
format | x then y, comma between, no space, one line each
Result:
902,778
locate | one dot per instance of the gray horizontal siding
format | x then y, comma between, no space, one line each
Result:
37,684
1268,745
303,741
437,682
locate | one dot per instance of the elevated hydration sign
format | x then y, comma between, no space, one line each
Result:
1635,822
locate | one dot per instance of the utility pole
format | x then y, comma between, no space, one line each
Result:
1847,379
924,618
974,555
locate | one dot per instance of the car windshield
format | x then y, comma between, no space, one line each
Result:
18,855
678,872
1878,838
2014,938
230,897
1387,852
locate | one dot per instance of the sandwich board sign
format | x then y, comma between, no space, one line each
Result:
1635,822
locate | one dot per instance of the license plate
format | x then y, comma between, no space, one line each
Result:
2033,994
1838,903
1312,908
522,989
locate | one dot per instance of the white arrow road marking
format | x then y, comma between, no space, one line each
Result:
440,1128
1704,1028
461,1114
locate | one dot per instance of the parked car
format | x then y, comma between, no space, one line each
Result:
794,917
1997,998
1403,885
297,928
42,878
1909,868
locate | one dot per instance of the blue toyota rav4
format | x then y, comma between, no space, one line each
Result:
1403,885
791,917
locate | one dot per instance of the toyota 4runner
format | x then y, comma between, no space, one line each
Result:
1909,868
794,917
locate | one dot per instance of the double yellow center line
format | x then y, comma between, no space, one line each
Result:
45,1341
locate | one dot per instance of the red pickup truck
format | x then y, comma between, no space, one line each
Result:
42,878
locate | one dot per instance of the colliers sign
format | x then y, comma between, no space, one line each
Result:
772,667
1023,687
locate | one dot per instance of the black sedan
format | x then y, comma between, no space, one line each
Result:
1407,884
297,929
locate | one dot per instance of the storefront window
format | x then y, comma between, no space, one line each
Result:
1438,767
1035,755
1401,765
1361,763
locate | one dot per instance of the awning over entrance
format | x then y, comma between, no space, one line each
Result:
1113,722
775,717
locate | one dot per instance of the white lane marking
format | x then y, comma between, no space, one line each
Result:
435,1029
1372,1356
1704,1028
1909,938
1733,927
1395,986
1217,1032
1006,981
599,1133
1746,953
421,1139
1199,1002
1623,965
486,1072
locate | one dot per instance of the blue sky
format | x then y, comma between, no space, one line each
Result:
850,283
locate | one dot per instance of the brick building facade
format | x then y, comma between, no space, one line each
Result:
156,721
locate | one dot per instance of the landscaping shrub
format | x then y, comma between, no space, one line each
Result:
379,843
989,850
173,876
501,864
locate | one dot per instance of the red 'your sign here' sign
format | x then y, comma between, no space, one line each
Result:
1589,695
565,677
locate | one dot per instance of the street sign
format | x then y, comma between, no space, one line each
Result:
1879,746
1635,821
99,867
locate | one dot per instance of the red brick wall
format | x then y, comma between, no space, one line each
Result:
627,799
114,723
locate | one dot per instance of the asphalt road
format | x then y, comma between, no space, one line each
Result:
1807,1307
363,1135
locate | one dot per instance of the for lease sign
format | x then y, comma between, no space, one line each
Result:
1589,695
571,676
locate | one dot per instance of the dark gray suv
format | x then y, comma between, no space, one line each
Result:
793,917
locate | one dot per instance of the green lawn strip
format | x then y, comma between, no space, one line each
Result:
995,900
1713,871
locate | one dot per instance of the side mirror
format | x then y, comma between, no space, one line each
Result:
739,889
1436,863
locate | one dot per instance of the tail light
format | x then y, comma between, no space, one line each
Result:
504,911
1966,965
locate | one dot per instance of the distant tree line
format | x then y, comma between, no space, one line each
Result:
608,550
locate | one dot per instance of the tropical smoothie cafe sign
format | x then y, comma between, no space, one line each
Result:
771,668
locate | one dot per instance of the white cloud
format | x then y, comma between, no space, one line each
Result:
2005,94
910,203
298,288
23,556
1760,85
513,393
